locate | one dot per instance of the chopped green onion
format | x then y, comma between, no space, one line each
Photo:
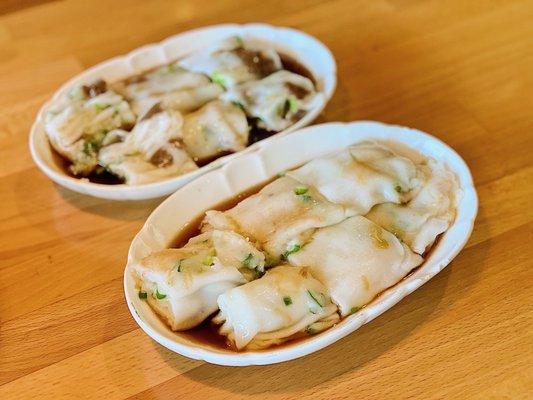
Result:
208,261
354,310
291,250
281,174
292,104
89,148
289,105
173,68
239,40
100,107
316,296
219,79
249,261
287,300
299,190
143,295
160,296
309,330
238,104
398,188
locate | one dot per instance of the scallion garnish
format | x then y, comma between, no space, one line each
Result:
309,330
287,300
238,104
291,250
219,79
299,190
398,188
159,296
100,107
208,261
239,40
143,295
249,261
353,310
316,296
292,104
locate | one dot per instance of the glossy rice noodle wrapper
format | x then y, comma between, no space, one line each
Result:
428,214
182,285
277,101
280,217
171,86
216,128
232,62
362,176
355,260
285,302
78,124
150,152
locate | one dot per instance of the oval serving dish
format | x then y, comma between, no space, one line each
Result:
306,50
250,170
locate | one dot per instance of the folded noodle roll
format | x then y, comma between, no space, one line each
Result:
284,302
151,152
277,101
79,122
233,61
280,217
171,86
216,128
355,260
182,285
362,176
428,214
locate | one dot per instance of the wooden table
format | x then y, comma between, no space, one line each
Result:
462,70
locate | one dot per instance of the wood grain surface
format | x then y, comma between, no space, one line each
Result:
462,70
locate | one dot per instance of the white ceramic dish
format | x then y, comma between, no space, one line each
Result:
305,49
256,167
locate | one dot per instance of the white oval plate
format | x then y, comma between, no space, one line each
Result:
303,48
252,169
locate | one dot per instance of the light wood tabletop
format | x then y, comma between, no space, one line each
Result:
461,70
